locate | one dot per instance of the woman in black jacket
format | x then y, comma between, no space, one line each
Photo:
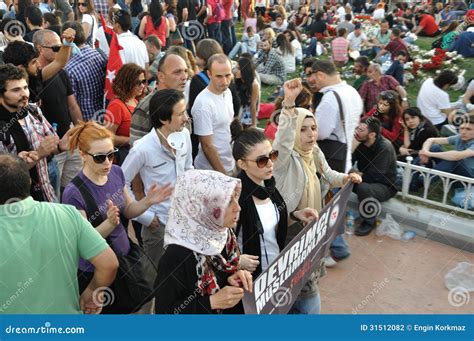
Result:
416,130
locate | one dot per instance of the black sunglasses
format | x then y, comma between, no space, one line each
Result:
100,158
83,4
262,161
140,82
54,48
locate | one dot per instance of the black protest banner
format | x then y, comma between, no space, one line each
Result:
277,288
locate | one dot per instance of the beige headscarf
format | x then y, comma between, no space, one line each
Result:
312,190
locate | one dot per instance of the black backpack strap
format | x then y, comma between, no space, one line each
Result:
93,213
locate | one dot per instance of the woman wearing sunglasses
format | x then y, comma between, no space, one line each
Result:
389,111
128,86
106,184
303,176
262,228
88,18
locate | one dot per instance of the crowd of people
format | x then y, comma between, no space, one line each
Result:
171,155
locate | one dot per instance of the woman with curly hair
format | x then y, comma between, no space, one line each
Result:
128,86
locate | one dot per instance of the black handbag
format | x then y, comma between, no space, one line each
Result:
131,289
334,150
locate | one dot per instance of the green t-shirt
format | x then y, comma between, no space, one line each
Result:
358,82
40,247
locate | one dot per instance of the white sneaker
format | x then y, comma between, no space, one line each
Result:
329,262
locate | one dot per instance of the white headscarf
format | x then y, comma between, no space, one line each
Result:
196,215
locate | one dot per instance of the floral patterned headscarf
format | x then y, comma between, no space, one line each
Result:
196,215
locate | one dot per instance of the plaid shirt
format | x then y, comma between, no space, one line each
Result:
369,90
272,64
101,7
87,74
340,46
36,127
396,46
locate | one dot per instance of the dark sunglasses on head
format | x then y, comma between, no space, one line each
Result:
54,48
262,161
140,82
388,95
100,158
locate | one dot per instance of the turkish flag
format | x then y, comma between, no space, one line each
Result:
113,64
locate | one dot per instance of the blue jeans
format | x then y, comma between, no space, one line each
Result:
214,32
311,49
339,248
307,306
53,173
226,35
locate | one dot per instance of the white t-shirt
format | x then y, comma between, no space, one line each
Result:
289,60
356,42
379,14
269,219
281,28
134,50
92,21
212,115
103,43
329,120
341,12
431,100
260,3
298,49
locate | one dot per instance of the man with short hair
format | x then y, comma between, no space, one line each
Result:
346,24
156,160
397,69
361,65
357,38
34,21
427,26
459,161
270,66
133,49
25,131
377,164
377,83
153,47
40,248
172,74
212,113
433,98
86,71
395,45
58,104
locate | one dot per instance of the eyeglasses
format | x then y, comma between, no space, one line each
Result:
100,158
140,82
83,4
262,161
54,48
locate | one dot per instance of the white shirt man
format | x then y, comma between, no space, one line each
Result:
357,39
432,100
134,50
212,114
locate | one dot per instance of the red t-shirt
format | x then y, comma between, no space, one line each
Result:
429,25
214,18
120,114
227,4
159,31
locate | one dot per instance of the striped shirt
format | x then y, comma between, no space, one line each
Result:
340,47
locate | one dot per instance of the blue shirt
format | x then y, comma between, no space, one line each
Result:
461,145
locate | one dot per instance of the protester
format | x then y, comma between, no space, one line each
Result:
105,183
34,20
395,46
88,17
416,130
44,228
248,90
157,148
340,48
296,45
433,99
270,65
287,53
262,227
376,163
357,39
361,65
205,267
397,69
133,49
86,71
212,115
427,25
155,23
300,160
128,86
249,43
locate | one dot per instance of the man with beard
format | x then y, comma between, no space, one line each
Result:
377,164
25,56
25,132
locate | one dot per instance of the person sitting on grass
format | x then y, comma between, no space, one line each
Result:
270,65
397,70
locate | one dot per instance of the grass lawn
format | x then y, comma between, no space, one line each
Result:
412,88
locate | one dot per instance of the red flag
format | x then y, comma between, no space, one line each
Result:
107,30
113,66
